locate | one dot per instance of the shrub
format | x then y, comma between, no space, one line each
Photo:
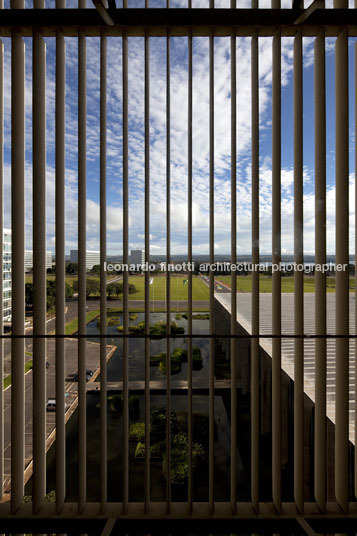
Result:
136,328
112,320
181,353
159,328
180,440
179,466
175,364
156,359
198,316
182,421
133,316
198,454
137,431
49,498
179,458
116,403
156,450
140,450
158,422
176,329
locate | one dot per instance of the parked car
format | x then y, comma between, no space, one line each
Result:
89,374
51,404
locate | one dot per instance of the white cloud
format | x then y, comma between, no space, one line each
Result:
178,140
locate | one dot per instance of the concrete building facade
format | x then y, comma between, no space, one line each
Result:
6,306
137,256
92,258
29,260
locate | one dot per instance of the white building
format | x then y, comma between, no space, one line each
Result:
6,305
29,260
92,258
137,256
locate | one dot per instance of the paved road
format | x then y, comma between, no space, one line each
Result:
71,313
71,388
218,285
183,305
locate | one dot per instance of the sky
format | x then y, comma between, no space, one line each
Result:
178,138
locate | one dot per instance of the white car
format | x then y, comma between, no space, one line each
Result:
51,405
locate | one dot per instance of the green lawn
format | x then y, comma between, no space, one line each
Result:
244,283
72,327
69,278
28,366
179,291
52,277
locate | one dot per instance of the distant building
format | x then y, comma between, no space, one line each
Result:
92,258
137,256
29,260
6,304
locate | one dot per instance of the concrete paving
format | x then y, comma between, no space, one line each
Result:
71,388
199,386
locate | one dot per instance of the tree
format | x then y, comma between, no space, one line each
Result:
50,287
29,294
51,302
75,286
51,294
132,288
92,287
96,268
118,289
69,290
111,290
72,268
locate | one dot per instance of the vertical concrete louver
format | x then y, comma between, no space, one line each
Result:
298,509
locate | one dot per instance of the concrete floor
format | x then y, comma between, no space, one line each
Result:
71,346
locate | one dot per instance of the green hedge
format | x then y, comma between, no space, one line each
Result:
137,431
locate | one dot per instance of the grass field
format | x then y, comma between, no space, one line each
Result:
179,291
244,283
72,327
52,277
69,278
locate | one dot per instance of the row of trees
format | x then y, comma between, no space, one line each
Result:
50,294
72,268
114,289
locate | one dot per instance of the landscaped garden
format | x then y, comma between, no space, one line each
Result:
178,356
197,316
179,441
158,329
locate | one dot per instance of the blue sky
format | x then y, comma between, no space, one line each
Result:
179,144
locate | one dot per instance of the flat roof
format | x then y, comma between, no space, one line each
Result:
244,312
